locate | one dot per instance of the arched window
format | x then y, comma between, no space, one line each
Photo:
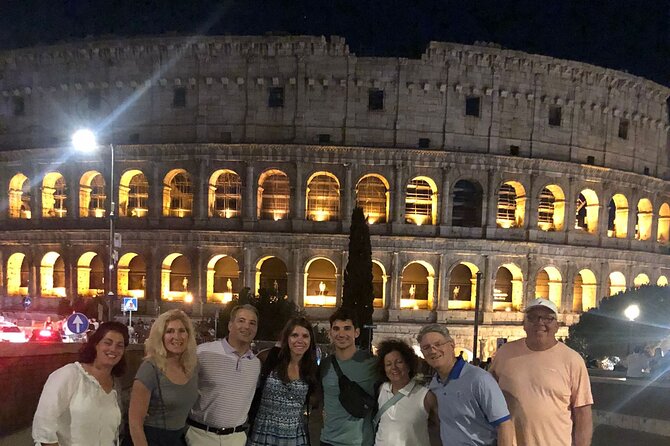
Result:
584,291
663,232
225,197
586,212
551,208
372,195
19,197
274,195
320,283
511,205
617,220
421,202
178,195
54,196
466,204
133,194
644,217
323,197
92,197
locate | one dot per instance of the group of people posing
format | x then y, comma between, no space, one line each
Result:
221,393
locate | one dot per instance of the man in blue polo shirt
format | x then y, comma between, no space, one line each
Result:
471,407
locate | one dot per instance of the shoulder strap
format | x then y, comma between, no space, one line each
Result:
386,406
160,393
338,370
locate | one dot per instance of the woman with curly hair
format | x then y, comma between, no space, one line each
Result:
79,404
166,384
405,406
289,377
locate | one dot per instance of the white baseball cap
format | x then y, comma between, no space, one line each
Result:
539,302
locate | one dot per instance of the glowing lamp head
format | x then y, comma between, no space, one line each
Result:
83,140
188,298
632,312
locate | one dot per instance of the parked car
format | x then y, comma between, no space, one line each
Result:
46,335
11,333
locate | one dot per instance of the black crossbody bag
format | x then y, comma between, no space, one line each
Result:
353,397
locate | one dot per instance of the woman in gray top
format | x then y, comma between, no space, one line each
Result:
166,384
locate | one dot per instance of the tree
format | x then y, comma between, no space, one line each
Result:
357,293
273,312
605,331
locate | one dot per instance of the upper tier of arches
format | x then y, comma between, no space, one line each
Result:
458,98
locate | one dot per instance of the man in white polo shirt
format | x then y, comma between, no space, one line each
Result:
226,384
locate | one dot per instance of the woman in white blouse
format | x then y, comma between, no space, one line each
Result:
406,407
79,405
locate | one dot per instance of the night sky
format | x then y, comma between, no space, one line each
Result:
627,35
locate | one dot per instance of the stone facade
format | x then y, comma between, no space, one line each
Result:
511,125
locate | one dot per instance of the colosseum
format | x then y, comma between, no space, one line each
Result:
233,162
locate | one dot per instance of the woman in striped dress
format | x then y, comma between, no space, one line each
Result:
290,378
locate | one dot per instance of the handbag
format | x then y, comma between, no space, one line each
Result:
356,401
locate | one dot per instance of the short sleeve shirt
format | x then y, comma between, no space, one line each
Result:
541,388
171,411
340,428
470,406
406,422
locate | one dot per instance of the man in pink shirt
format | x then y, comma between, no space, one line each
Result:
545,383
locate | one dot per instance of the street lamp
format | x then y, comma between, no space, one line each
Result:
631,312
84,140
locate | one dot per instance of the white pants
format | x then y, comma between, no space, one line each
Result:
199,437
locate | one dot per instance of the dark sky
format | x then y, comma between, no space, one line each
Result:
629,35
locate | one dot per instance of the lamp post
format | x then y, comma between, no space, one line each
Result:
631,312
84,140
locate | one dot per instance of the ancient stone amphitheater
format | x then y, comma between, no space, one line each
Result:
237,162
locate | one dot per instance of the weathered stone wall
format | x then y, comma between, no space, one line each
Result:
325,91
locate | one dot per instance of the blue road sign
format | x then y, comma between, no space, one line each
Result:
130,304
27,302
77,323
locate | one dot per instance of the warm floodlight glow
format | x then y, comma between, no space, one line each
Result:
188,298
632,312
84,140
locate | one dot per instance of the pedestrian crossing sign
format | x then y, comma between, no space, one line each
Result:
130,304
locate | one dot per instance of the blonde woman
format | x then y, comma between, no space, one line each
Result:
166,384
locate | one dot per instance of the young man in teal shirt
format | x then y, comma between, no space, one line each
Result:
339,427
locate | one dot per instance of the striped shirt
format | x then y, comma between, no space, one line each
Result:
226,385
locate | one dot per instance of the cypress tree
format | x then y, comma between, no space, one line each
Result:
357,293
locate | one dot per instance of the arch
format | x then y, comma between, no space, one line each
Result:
641,280
421,201
508,288
177,194
379,280
551,208
417,286
662,281
176,278
466,204
132,275
586,211
224,197
645,214
584,291
133,194
320,282
90,275
663,231
274,195
616,283
511,208
617,216
223,279
549,284
323,197
19,197
52,275
54,196
18,274
372,195
92,197
272,275
463,286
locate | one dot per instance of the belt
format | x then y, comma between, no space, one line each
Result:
217,430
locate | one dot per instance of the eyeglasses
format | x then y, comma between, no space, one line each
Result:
535,318
436,346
